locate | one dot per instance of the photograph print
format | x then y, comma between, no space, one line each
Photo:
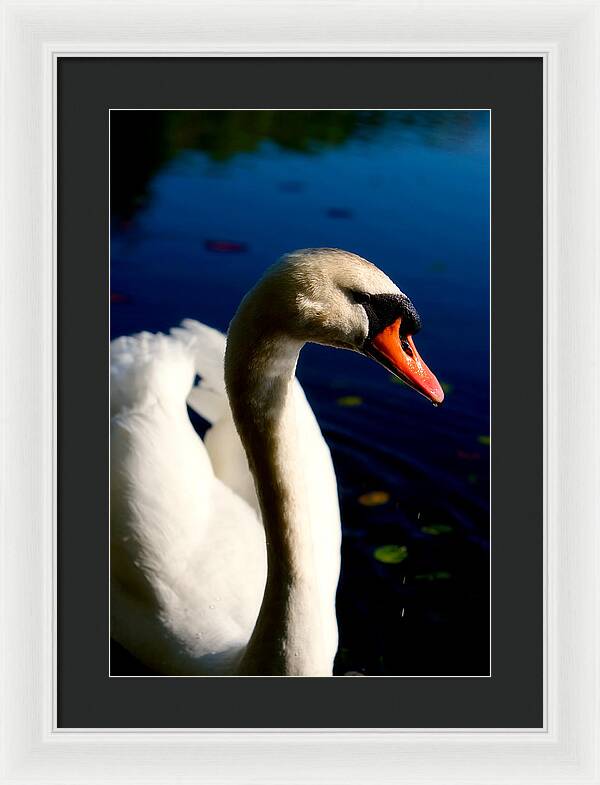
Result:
300,392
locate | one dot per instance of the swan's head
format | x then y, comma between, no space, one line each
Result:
335,298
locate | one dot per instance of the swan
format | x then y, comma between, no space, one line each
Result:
225,553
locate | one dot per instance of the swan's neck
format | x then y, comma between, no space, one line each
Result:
259,368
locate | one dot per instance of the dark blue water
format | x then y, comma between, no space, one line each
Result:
204,202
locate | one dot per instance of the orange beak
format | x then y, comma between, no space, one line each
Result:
399,355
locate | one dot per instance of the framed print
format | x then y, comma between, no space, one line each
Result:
187,613
414,592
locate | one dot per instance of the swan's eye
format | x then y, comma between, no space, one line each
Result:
360,297
406,346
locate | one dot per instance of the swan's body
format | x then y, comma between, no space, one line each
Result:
209,577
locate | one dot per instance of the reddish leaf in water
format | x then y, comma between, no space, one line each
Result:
117,297
225,246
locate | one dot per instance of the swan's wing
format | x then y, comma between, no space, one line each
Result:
147,368
161,474
207,347
180,539
197,608
209,399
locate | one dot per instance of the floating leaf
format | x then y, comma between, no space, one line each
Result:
350,400
436,528
446,387
439,575
391,554
374,498
468,456
225,246
483,440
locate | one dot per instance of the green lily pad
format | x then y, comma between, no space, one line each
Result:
350,400
484,440
436,528
446,387
391,554
438,575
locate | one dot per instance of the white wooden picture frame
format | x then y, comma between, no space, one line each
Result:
566,33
